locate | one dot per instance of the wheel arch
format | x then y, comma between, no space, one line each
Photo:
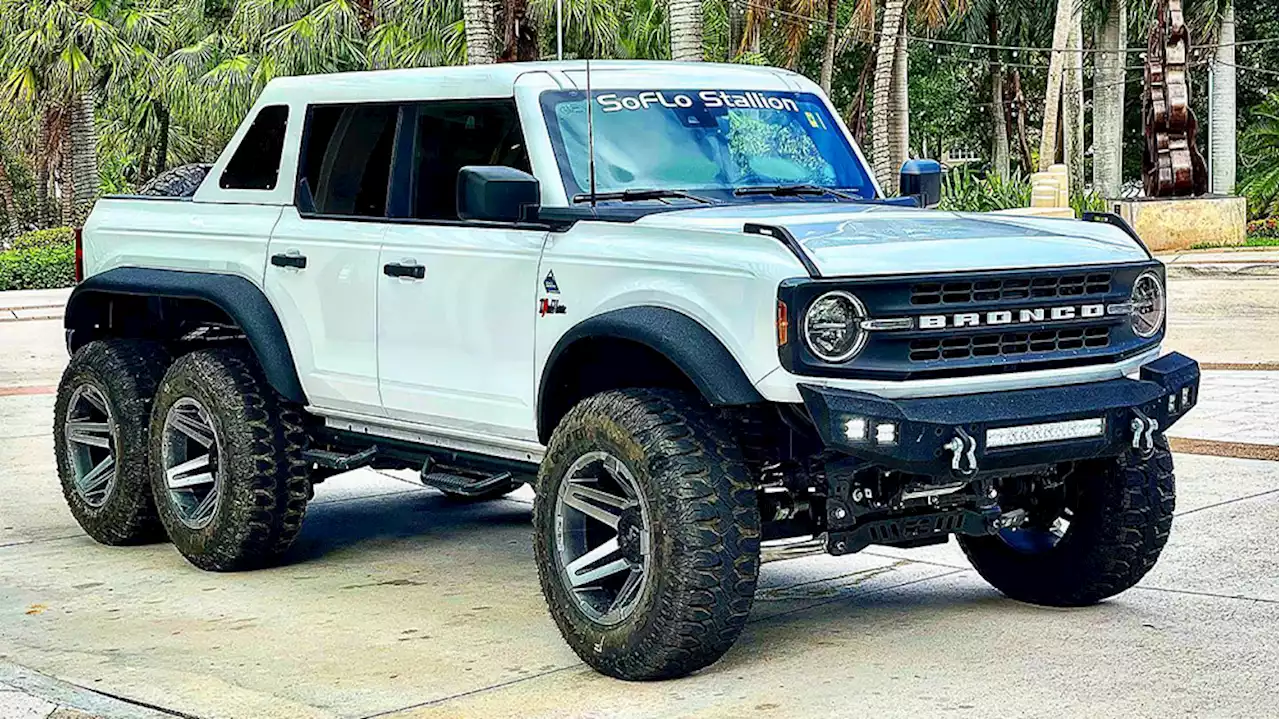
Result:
135,301
638,346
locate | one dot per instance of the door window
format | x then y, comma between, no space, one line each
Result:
346,160
256,162
451,135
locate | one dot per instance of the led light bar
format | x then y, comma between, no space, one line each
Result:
1048,432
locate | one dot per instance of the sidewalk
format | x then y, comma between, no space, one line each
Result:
32,304
1250,261
26,694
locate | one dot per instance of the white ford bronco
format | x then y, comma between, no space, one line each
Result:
684,311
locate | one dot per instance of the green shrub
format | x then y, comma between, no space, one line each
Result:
1262,229
963,191
38,268
1088,202
52,237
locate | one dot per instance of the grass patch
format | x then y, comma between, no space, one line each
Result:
1248,242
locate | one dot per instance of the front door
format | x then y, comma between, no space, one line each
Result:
456,301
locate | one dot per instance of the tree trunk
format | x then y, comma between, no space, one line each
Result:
999,129
882,95
1020,102
519,33
686,30
162,145
901,126
1053,84
737,24
44,162
1222,130
12,228
80,165
1108,102
477,19
1073,106
829,48
857,118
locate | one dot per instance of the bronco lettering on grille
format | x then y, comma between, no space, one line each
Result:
1009,317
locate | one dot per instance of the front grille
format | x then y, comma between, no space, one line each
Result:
1012,288
1009,343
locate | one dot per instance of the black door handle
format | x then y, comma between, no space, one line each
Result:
395,269
298,261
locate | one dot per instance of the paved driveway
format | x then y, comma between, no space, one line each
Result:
396,600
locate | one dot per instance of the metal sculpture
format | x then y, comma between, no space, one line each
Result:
1171,163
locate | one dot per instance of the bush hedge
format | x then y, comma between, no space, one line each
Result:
40,260
1261,229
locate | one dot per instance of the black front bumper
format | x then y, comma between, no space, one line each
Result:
947,436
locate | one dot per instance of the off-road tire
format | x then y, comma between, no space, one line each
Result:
706,547
265,481
127,373
1121,523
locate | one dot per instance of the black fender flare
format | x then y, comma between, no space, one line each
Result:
684,341
242,300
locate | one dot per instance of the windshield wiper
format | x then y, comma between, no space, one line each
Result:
793,191
641,196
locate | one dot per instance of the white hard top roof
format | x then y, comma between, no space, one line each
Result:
499,80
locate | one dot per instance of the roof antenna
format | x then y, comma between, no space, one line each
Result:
591,139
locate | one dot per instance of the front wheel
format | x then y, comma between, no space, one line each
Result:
1091,537
647,534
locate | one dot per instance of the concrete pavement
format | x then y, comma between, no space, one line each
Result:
397,602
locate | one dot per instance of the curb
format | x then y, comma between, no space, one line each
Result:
83,701
29,313
1222,269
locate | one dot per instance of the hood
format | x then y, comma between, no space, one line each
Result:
851,240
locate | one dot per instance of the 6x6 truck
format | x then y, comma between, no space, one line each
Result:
678,303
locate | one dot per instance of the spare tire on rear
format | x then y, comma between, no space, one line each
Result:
180,181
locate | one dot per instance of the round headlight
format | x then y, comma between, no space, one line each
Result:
1147,299
832,328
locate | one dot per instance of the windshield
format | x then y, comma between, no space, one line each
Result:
707,142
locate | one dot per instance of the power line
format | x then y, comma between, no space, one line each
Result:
813,22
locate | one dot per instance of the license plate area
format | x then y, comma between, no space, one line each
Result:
1030,434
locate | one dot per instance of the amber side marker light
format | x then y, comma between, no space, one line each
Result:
784,327
79,235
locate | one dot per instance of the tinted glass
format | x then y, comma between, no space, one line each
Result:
256,163
701,140
346,159
451,135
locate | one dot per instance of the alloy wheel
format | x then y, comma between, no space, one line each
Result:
192,453
603,537
91,445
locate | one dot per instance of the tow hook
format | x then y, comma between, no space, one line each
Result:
964,460
1012,519
1143,428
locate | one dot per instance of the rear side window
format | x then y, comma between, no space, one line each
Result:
346,160
256,162
453,134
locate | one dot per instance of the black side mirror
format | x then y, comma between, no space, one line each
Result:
921,179
496,193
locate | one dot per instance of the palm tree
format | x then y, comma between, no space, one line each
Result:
1062,24
890,105
686,29
55,57
1108,100
478,18
1222,125
1261,181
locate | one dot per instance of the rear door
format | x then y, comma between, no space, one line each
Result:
456,300
322,266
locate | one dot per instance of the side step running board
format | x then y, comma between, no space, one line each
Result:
465,486
338,461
